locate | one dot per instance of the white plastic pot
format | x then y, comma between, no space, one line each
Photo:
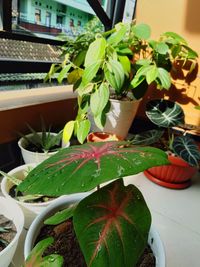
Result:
119,118
30,210
14,213
65,201
34,157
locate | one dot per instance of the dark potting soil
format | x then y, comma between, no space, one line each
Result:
15,193
34,148
8,236
66,244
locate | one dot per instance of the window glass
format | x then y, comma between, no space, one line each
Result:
49,18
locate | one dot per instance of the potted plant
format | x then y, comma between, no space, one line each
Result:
111,72
38,146
31,204
116,214
183,152
11,212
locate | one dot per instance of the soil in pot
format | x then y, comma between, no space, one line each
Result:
33,148
15,194
6,237
66,244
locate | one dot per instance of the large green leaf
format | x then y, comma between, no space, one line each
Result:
119,35
146,138
164,78
99,99
96,51
90,72
112,226
36,259
115,75
187,149
164,113
83,130
63,74
142,31
82,168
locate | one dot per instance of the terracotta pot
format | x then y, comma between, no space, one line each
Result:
177,175
102,137
119,118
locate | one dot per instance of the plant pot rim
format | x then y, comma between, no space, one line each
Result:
6,194
21,225
50,210
20,144
125,100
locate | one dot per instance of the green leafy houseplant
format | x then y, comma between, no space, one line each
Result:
165,115
42,141
119,64
114,214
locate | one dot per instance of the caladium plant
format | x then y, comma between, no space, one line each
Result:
113,222
167,114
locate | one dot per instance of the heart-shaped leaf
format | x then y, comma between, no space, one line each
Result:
112,226
82,168
164,113
187,149
146,138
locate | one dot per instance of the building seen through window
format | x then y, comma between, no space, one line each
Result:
49,18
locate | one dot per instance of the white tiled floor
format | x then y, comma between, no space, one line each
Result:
176,216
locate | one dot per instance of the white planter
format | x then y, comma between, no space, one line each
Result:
13,212
65,201
30,210
34,157
119,118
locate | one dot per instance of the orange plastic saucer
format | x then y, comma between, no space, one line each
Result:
182,185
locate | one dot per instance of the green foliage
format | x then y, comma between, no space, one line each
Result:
123,59
36,259
82,168
166,115
112,226
44,140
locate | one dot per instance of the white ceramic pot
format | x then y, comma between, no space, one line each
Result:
34,157
119,118
65,201
13,212
30,210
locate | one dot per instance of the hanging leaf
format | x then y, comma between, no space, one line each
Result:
80,58
90,72
83,130
147,138
36,259
110,228
164,78
74,76
126,64
142,31
152,74
175,36
187,149
67,131
63,74
96,52
164,113
162,48
119,35
115,75
99,99
82,168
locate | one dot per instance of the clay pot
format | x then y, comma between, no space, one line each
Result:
177,175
